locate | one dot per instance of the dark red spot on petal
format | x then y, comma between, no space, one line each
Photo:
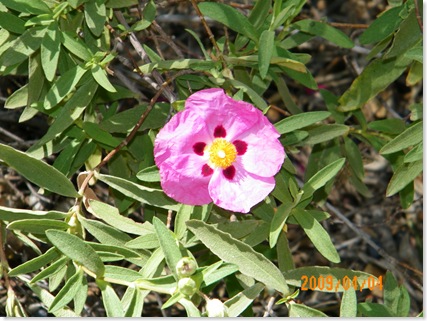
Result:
198,148
206,170
241,147
229,172
219,131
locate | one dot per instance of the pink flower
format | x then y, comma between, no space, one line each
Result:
218,150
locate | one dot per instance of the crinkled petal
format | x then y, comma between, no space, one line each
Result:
264,155
242,192
179,135
219,109
182,179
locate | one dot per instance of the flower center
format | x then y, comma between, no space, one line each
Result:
222,153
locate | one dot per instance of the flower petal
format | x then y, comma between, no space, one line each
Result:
179,135
242,192
182,179
219,109
264,155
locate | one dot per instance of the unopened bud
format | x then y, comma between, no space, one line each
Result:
186,267
216,309
187,286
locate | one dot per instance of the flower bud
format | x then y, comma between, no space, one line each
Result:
186,267
216,309
187,286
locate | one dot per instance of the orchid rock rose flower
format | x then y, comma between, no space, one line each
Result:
218,150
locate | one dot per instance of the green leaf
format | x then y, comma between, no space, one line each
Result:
147,241
408,35
140,193
18,99
50,50
378,74
149,174
238,303
15,214
36,263
333,278
95,15
190,308
278,221
37,172
302,311
164,284
317,234
148,15
323,176
348,307
52,269
23,47
284,254
325,31
77,250
374,310
265,52
47,300
120,273
12,23
168,243
354,157
124,121
231,250
37,226
32,7
133,302
111,215
382,27
70,112
323,133
415,53
112,304
294,122
391,293
81,296
101,78
414,154
403,176
178,64
63,86
404,304
391,126
68,291
100,135
106,234
76,46
410,137
230,17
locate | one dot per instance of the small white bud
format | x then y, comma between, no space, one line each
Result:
186,267
216,309
187,286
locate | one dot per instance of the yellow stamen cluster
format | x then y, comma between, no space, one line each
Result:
222,153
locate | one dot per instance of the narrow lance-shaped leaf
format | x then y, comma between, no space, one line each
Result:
411,136
317,234
63,86
67,293
77,250
230,17
325,31
50,50
294,122
234,251
403,176
37,171
348,307
266,43
237,304
168,244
